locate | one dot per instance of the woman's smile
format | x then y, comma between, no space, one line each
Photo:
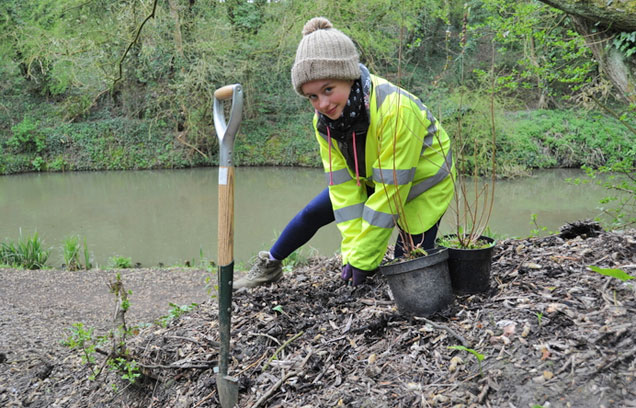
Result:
328,96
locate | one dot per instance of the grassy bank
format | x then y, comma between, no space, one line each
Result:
525,140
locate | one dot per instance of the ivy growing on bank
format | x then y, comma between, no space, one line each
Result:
62,109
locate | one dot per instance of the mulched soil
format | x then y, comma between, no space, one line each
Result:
552,333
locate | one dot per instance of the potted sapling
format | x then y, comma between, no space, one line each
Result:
419,280
470,250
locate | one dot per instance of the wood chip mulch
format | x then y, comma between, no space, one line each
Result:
551,331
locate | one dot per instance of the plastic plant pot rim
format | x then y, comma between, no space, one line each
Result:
492,241
434,256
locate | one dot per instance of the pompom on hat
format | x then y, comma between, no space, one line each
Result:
324,53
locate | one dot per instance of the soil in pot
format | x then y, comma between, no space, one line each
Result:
469,269
420,286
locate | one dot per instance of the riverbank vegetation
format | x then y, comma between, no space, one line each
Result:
129,85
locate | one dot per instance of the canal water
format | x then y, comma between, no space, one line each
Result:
170,216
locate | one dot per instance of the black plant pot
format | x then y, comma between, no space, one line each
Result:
469,269
420,286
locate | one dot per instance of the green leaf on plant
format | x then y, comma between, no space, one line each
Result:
278,309
478,355
614,273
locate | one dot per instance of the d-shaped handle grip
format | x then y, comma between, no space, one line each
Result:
226,131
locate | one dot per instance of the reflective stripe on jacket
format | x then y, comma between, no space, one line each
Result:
408,164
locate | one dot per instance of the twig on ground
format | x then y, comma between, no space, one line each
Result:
275,355
211,342
280,382
265,335
444,327
207,397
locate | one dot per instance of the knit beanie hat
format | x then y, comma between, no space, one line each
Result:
324,53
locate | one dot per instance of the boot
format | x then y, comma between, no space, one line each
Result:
263,271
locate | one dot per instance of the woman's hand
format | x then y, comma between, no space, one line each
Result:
357,276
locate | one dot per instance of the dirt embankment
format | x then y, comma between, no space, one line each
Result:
551,331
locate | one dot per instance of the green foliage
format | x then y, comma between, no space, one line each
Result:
129,369
26,137
559,138
297,258
537,56
466,117
38,164
480,357
82,338
287,143
60,109
451,241
625,43
619,179
119,262
538,229
175,312
73,251
614,273
58,164
477,355
27,252
278,308
416,253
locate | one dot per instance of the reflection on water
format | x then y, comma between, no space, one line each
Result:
170,216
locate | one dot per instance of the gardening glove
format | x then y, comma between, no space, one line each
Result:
357,276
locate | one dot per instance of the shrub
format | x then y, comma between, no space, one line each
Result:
120,262
26,253
26,137
73,251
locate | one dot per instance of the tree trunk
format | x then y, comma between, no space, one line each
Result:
612,63
617,15
178,39
598,22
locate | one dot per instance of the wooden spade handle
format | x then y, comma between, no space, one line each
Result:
226,215
224,92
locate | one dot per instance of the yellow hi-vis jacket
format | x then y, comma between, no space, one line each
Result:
409,164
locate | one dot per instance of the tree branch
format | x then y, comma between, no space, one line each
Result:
121,61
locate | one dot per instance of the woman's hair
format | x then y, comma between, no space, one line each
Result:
324,53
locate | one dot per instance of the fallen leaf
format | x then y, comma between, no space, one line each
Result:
532,265
500,339
526,330
440,399
509,330
455,361
554,307
545,353
413,386
539,379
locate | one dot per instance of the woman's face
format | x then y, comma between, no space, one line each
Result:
328,96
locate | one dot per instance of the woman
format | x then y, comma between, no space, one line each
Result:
387,161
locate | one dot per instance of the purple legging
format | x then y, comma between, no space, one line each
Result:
319,213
